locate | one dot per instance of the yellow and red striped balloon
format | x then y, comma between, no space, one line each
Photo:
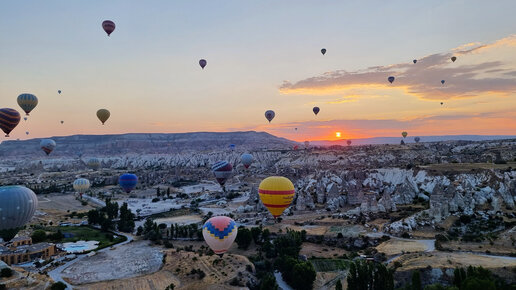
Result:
276,193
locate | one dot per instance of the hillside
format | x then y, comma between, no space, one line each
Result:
410,139
141,143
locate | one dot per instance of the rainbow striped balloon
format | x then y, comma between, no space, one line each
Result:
219,233
9,119
276,193
27,102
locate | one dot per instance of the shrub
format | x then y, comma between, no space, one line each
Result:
6,272
58,286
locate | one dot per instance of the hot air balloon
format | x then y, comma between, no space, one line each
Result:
442,82
62,122
128,181
414,61
276,193
442,103
25,118
295,147
219,232
47,145
27,102
348,142
246,159
9,119
323,51
417,139
103,115
232,146
17,206
307,144
203,63
316,110
108,26
453,58
391,79
81,185
93,163
269,115
59,91
222,171
295,129
404,134
27,133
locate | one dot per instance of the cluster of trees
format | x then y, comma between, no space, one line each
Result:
472,278
106,217
154,232
39,236
281,254
366,275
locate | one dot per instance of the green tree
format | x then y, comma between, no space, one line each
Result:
304,274
369,276
38,236
94,217
416,281
256,232
6,272
111,209
126,222
268,282
58,286
338,285
244,238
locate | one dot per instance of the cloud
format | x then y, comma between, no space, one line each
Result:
480,69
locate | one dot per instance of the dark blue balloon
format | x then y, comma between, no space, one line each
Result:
128,182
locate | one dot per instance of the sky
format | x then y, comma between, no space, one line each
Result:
262,55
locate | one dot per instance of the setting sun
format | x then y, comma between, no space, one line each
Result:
337,134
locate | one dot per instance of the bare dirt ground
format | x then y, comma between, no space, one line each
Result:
178,270
180,220
452,260
130,260
321,251
20,280
61,202
395,247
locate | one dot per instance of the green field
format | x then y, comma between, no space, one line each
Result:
329,265
89,234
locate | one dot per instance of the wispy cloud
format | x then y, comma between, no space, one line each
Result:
480,69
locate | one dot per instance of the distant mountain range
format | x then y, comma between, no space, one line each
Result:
410,139
142,143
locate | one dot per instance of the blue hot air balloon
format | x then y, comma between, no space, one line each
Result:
128,182
247,159
17,206
232,146
442,82
391,79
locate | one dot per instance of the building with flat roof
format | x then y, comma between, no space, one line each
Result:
21,250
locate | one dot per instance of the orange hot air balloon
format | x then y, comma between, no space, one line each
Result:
276,193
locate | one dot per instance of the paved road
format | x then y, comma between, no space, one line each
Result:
56,273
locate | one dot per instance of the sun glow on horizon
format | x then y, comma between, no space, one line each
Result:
338,134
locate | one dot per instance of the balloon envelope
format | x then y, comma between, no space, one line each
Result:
323,51
222,171
414,61
108,26
232,146
442,82
93,163
27,102
453,58
404,134
128,181
219,232
47,145
247,159
391,79
9,119
276,193
417,139
59,91
17,206
81,185
269,115
348,142
103,115
203,63
316,110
